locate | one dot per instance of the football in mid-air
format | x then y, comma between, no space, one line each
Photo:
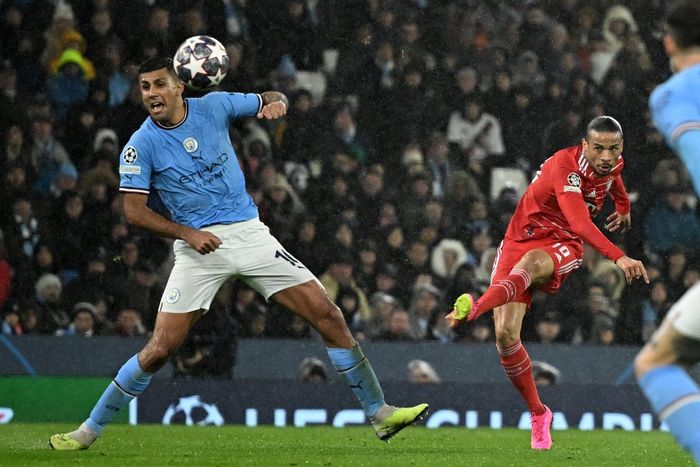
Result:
201,62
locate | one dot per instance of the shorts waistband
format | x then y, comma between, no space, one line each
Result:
234,227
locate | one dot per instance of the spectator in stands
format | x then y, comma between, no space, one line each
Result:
83,322
398,327
671,222
50,314
128,323
425,310
312,370
420,371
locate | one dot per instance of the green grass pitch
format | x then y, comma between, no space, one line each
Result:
154,445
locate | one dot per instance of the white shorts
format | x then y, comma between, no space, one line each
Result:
685,314
248,252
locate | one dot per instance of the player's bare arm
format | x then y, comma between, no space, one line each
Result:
275,105
139,214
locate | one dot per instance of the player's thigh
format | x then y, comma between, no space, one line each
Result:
265,265
195,279
539,265
309,300
685,314
678,338
566,257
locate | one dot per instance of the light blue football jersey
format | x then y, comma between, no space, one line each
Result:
193,165
675,110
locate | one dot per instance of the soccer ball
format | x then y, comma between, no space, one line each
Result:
201,62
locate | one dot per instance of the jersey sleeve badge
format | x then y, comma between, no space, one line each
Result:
130,155
573,181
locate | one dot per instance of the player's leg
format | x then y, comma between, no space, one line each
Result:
310,301
191,287
534,267
131,380
661,370
516,362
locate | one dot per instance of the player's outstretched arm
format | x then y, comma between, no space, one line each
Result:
140,215
275,105
633,269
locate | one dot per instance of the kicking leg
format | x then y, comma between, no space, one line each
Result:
131,380
535,267
310,301
661,371
518,367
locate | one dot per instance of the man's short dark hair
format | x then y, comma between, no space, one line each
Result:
682,20
157,63
604,124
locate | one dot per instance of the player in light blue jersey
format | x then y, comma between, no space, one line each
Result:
662,364
183,152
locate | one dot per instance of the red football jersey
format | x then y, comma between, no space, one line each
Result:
564,197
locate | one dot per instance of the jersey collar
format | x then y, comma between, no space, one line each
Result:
184,119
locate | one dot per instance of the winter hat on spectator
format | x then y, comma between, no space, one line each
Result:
46,281
104,135
84,306
438,261
63,11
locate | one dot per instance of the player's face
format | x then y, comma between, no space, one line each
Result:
602,151
162,96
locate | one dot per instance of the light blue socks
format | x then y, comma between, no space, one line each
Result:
129,383
675,398
355,368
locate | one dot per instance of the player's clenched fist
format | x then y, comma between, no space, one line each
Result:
633,269
273,110
202,242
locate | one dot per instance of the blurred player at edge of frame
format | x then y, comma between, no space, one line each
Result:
661,366
543,245
183,151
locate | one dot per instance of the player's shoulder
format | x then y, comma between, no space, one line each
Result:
140,143
682,85
568,157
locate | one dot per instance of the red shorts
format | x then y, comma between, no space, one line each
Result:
566,254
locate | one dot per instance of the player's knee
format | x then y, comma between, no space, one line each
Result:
506,336
157,353
328,312
645,361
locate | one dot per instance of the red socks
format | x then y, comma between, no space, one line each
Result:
518,366
501,292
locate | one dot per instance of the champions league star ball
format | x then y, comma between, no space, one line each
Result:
201,62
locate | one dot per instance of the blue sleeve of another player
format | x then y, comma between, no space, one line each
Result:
674,112
234,104
689,150
135,167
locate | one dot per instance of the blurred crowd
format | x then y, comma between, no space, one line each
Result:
414,127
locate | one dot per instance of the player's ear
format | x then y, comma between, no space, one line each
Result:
670,44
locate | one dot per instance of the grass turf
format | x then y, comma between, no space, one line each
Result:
153,445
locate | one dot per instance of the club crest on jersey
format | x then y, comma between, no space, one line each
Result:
130,155
190,144
173,296
574,179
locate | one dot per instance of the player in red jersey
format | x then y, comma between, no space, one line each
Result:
544,245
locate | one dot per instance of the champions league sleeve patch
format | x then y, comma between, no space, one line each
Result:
574,183
130,155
